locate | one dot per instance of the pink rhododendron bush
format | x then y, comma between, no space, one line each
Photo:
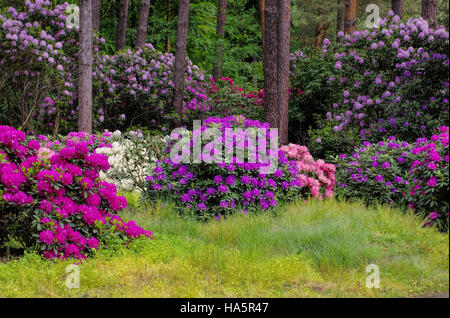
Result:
51,196
317,175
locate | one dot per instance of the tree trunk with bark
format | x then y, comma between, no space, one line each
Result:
262,6
180,57
284,31
96,15
85,68
340,26
143,22
270,64
122,25
429,12
220,31
397,7
350,16
167,44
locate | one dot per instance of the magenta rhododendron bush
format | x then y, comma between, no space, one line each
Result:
51,195
413,176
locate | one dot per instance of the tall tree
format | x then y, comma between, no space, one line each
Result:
96,15
340,23
220,31
284,39
167,44
397,7
143,22
122,25
350,16
262,6
85,68
270,65
180,56
429,12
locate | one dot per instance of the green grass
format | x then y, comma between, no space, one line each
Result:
314,249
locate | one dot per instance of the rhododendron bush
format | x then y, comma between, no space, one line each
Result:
219,188
395,172
131,157
391,80
229,99
317,175
51,195
137,87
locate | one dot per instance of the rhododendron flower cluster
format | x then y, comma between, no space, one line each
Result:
57,200
395,172
317,175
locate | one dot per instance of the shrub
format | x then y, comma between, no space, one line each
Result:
324,142
227,100
310,73
34,69
391,80
317,175
131,157
136,88
219,187
402,174
52,197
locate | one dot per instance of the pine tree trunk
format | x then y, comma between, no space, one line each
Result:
340,19
319,32
221,17
96,15
270,64
122,25
180,57
350,16
262,5
284,31
397,7
142,26
85,68
429,12
167,45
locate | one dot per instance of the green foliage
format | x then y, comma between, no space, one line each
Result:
311,76
325,143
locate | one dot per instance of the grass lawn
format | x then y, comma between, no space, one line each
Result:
314,249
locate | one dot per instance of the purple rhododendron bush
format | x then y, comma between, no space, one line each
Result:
379,82
406,175
51,196
216,187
